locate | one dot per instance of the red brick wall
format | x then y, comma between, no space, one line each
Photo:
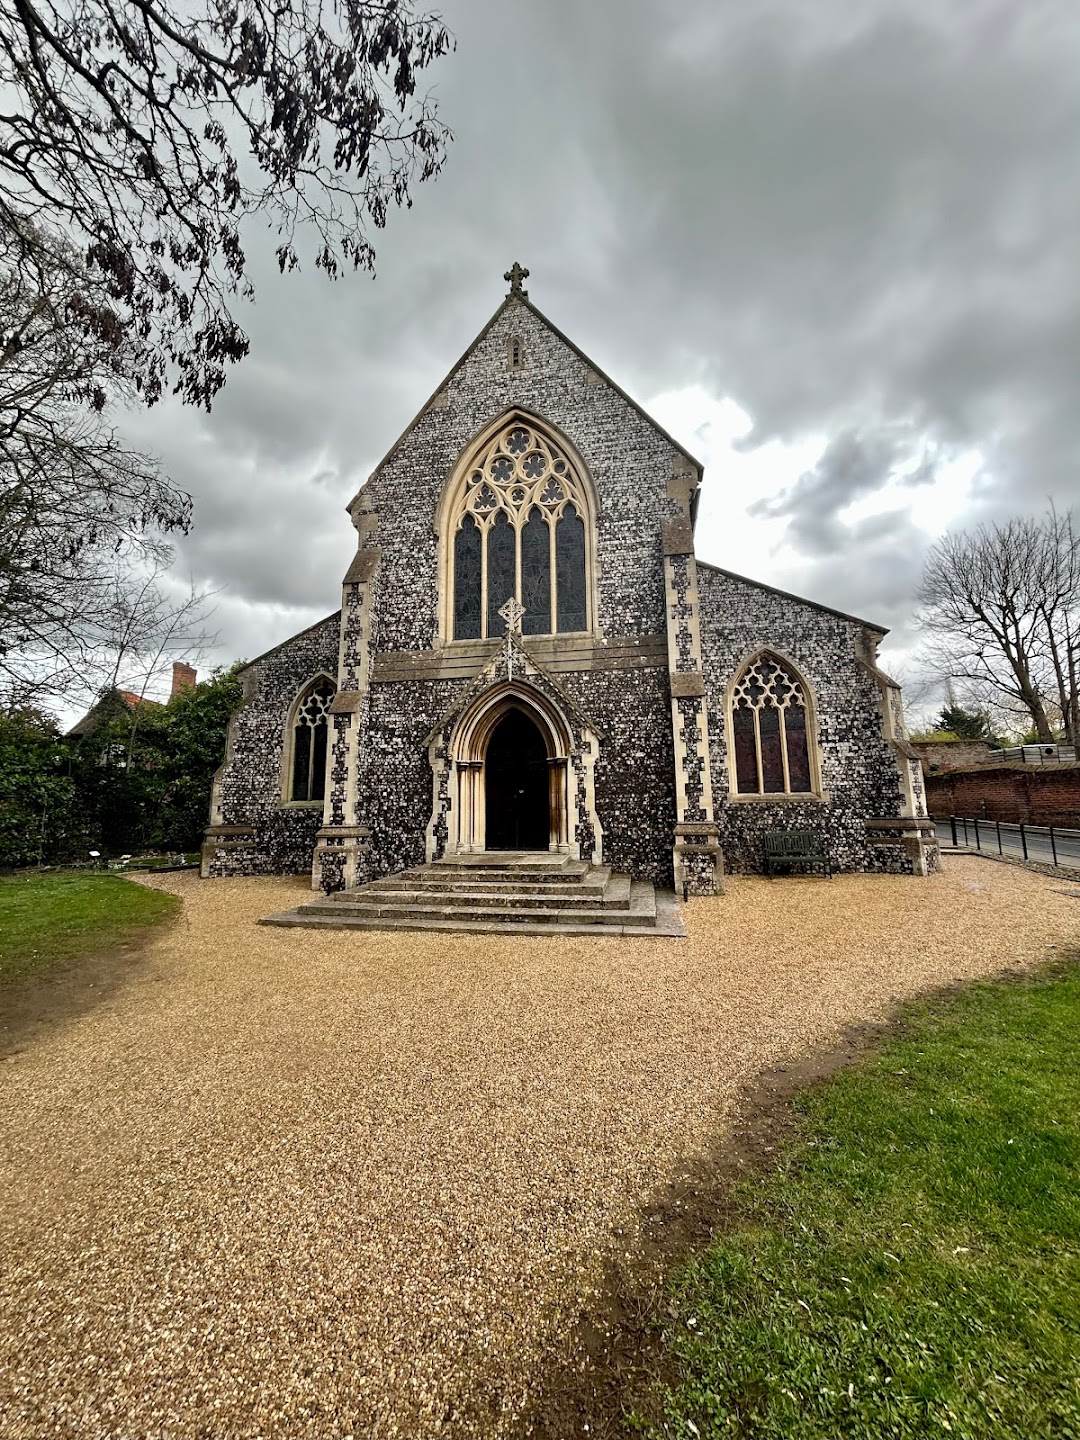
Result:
1036,795
949,754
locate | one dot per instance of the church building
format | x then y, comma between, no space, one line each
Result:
529,657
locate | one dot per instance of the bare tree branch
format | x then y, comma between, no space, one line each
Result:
147,130
78,509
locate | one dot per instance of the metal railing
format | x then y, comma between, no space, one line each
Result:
1048,844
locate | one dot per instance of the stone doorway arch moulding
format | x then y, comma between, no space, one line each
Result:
457,748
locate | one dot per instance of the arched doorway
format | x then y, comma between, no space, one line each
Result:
516,788
539,754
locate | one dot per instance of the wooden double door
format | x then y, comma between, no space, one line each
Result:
516,786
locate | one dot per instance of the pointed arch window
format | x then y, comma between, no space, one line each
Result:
310,731
771,730
520,529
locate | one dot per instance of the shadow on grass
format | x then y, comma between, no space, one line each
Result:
69,942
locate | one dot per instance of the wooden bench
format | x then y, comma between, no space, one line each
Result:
788,848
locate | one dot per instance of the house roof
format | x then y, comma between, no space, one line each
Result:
92,719
519,297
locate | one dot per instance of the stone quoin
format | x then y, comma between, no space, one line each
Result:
529,656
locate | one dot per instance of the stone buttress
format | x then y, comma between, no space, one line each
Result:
343,843
912,829
697,859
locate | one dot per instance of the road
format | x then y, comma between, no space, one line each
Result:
1065,844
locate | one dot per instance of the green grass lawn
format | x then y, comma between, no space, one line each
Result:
53,917
913,1268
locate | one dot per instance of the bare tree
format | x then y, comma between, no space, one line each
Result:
145,131
133,623
78,509
1001,607
142,626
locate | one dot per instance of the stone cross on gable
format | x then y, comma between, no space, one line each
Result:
511,612
516,275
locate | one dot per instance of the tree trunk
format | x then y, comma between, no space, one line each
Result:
1037,710
1060,677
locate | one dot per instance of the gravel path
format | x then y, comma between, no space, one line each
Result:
290,1184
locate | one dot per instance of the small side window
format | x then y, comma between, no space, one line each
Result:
516,353
309,741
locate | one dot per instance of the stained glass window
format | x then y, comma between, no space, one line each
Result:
772,759
798,754
536,574
570,570
310,731
525,513
500,570
745,750
468,580
770,731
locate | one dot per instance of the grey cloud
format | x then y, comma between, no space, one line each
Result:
873,573
264,533
853,464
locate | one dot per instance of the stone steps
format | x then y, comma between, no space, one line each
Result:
513,894
510,860
639,909
536,866
615,895
594,880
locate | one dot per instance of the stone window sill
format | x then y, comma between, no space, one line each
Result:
301,805
524,639
781,799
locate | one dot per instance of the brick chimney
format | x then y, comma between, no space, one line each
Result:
183,677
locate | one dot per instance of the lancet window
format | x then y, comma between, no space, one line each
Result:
309,737
520,531
770,730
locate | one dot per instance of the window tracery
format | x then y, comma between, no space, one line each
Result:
520,531
770,730
309,741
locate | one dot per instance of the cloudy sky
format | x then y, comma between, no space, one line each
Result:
832,246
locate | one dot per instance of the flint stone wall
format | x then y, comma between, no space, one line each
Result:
250,782
635,770
859,774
